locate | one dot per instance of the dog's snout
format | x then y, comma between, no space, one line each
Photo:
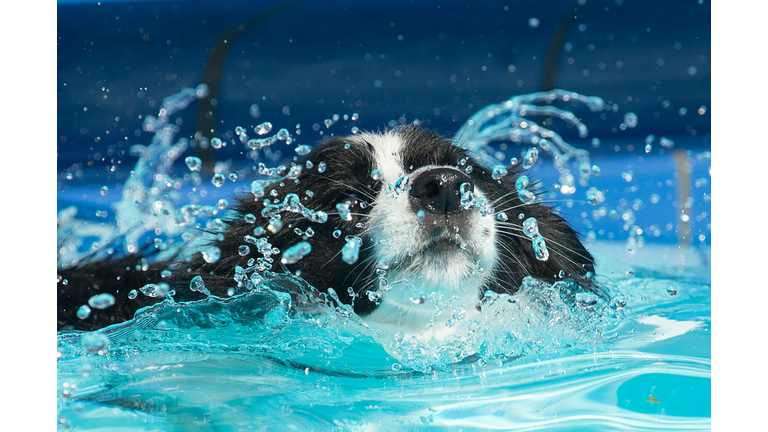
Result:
437,190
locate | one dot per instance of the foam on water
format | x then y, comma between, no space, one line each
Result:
551,356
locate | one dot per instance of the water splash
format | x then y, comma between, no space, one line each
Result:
292,203
150,202
510,121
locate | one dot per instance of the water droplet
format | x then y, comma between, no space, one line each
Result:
403,185
218,179
530,157
672,290
84,312
419,297
618,303
193,163
468,200
243,250
374,296
351,250
533,23
274,226
344,212
377,174
152,290
421,215
336,233
256,144
249,218
531,227
502,217
197,285
595,196
630,119
283,134
321,167
295,253
201,91
104,190
211,254
526,196
303,150
498,172
101,301
263,128
522,183
132,294
240,132
584,168
384,263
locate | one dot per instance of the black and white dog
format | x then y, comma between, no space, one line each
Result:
404,194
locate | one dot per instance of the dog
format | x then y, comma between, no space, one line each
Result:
382,221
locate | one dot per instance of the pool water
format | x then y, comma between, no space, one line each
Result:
247,364
546,358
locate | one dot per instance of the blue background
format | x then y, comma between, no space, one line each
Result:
303,61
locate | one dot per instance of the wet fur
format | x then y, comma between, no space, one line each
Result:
348,174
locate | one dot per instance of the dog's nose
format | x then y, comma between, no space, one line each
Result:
437,190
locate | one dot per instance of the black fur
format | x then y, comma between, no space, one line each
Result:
348,176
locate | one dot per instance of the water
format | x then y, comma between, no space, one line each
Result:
549,357
250,363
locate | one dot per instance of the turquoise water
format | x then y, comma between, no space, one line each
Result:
542,359
246,364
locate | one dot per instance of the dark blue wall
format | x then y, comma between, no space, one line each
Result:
435,61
